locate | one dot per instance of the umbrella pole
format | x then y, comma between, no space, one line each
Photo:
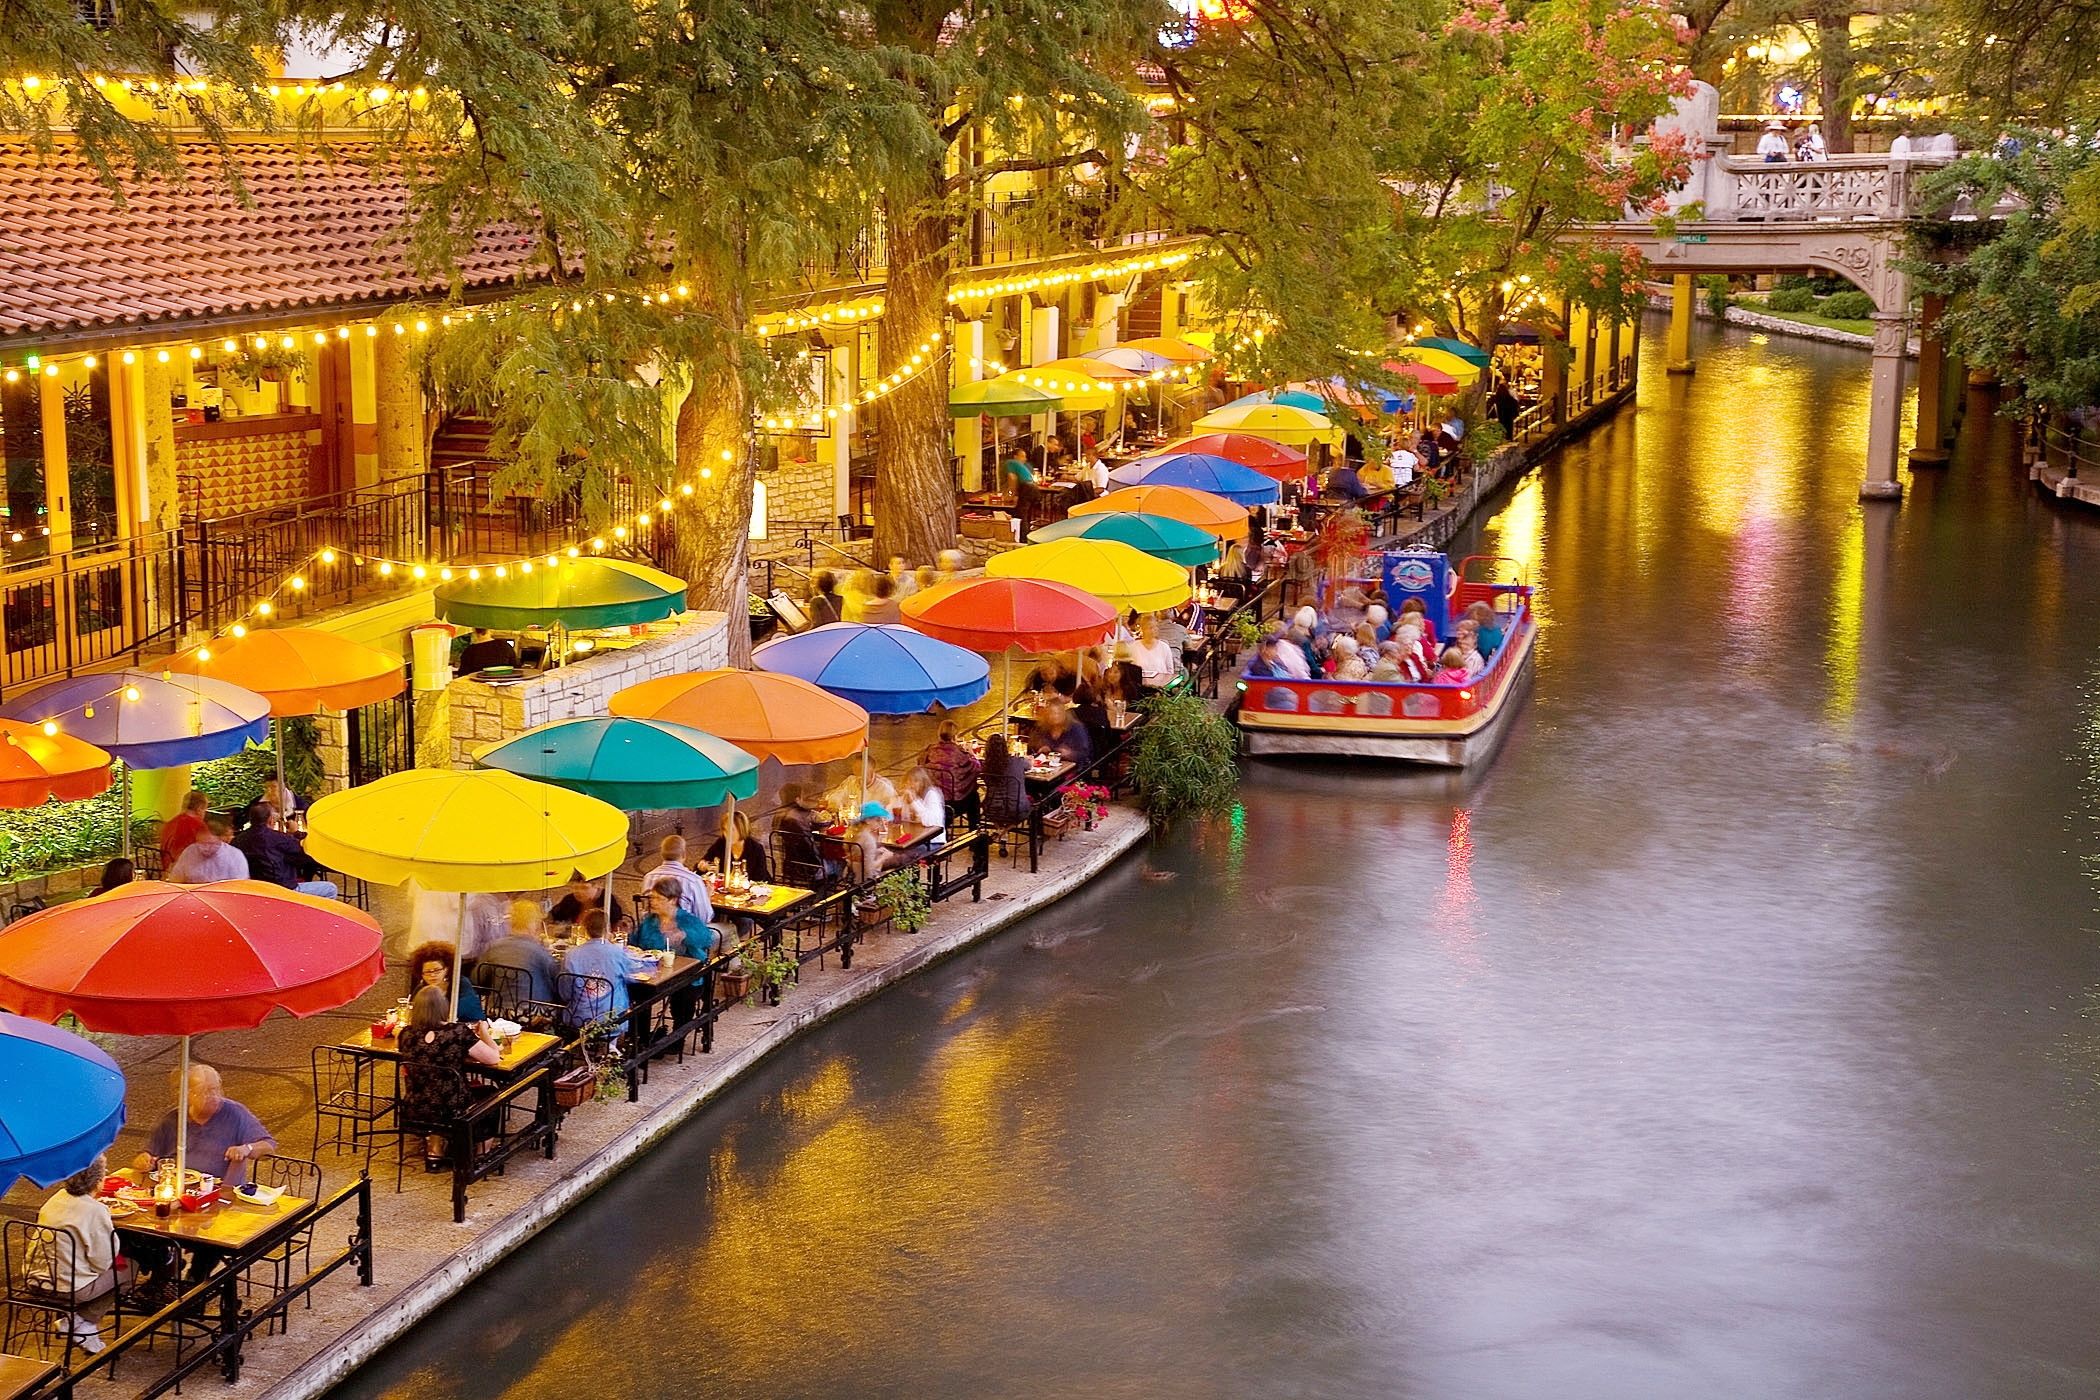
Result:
277,742
459,955
124,819
182,1115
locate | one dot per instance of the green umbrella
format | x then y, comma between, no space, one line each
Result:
1000,398
1156,535
636,765
578,593
1471,354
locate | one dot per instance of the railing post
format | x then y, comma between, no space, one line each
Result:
364,1231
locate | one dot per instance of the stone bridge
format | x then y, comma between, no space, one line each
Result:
1844,216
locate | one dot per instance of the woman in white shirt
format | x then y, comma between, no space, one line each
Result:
924,802
90,1271
1158,663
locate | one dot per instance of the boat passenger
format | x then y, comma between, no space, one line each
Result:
1453,670
1387,667
1380,621
1465,638
1348,661
1266,663
1489,628
1417,660
1414,608
1294,653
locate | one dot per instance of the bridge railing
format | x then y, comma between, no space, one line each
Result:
1839,189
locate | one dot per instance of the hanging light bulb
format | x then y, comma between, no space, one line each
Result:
50,728
238,630
131,692
419,572
327,556
265,608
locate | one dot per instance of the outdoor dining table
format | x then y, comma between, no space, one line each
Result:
226,1228
904,836
524,1051
645,992
744,904
19,1375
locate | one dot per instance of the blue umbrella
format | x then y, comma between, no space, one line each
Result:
149,720
886,670
1201,471
61,1102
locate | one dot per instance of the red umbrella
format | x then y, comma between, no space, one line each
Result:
1427,378
1271,459
992,614
157,959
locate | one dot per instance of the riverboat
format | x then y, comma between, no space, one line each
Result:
1449,726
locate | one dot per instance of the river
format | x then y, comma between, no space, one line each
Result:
1732,1035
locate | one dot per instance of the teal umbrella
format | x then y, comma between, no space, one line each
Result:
636,765
1288,398
1471,354
580,594
1156,535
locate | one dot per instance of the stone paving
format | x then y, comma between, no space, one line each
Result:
422,1257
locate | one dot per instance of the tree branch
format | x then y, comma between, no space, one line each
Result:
963,179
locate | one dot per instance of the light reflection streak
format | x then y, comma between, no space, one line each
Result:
1456,903
1847,599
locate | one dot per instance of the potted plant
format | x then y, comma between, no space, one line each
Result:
771,970
1087,801
905,898
1247,631
1187,759
600,1076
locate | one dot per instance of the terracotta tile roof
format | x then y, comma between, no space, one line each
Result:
312,233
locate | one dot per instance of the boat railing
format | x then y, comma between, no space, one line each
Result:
1323,696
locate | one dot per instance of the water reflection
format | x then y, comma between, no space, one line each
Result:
1732,1035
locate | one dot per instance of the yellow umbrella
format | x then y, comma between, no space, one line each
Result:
1457,366
1112,571
477,832
1293,427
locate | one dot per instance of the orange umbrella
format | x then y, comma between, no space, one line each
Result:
299,669
1199,508
36,767
1170,347
761,712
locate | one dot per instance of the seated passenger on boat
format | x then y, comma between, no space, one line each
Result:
1466,637
1453,670
1347,661
1294,652
1488,626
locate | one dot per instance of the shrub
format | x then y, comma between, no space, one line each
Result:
1187,758
1787,281
1848,306
1716,288
1791,299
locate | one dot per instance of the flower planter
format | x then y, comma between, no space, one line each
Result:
575,1087
732,986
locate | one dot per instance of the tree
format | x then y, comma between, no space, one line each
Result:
1004,88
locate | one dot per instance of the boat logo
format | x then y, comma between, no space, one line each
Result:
1413,574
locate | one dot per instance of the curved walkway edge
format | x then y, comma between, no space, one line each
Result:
957,925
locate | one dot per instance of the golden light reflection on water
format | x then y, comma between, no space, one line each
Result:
1847,601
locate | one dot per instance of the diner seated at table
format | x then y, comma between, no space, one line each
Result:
825,605
795,827
611,963
1159,663
884,603
430,965
750,851
671,865
118,873
669,928
223,1138
925,803
178,831
92,1271
436,1091
485,651
523,949
583,893
1059,733
865,854
277,856
850,793
955,768
211,857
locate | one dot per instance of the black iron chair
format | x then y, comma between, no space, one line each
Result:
40,1313
349,1103
298,1177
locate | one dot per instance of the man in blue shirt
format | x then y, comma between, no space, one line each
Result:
595,957
522,949
224,1137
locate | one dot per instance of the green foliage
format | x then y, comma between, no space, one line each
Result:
1246,629
2024,302
1792,299
1187,761
905,896
771,969
1847,306
1717,299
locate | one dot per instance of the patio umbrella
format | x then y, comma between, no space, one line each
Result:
1198,508
61,1102
1131,357
580,594
36,767
298,670
157,959
479,832
1162,538
885,669
771,716
1200,471
1427,377
1471,354
148,719
1000,398
1180,351
1457,366
1277,422
1288,397
1112,571
988,614
636,765
1269,458
1365,398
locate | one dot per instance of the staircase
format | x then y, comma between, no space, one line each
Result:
1141,318
460,439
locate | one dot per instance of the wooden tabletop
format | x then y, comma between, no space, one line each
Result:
1054,774
905,835
525,1047
672,971
778,897
228,1226
21,1374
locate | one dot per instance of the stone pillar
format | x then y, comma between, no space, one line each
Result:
363,351
1931,449
1041,348
398,444
162,505
1678,360
968,349
1108,318
1885,409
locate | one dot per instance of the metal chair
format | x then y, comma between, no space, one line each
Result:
348,1101
506,993
40,1313
296,1177
584,999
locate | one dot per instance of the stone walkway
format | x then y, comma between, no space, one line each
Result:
422,1257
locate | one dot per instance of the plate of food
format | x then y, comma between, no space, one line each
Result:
119,1208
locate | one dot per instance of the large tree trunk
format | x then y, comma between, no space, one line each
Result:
914,484
711,536
1834,72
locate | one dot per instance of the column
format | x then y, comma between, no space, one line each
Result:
1931,449
399,446
1885,409
363,351
968,352
1682,304
161,501
1040,345
58,485
845,381
1108,316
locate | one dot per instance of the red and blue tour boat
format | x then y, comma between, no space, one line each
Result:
1414,722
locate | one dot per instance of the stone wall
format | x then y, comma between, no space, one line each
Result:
476,714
